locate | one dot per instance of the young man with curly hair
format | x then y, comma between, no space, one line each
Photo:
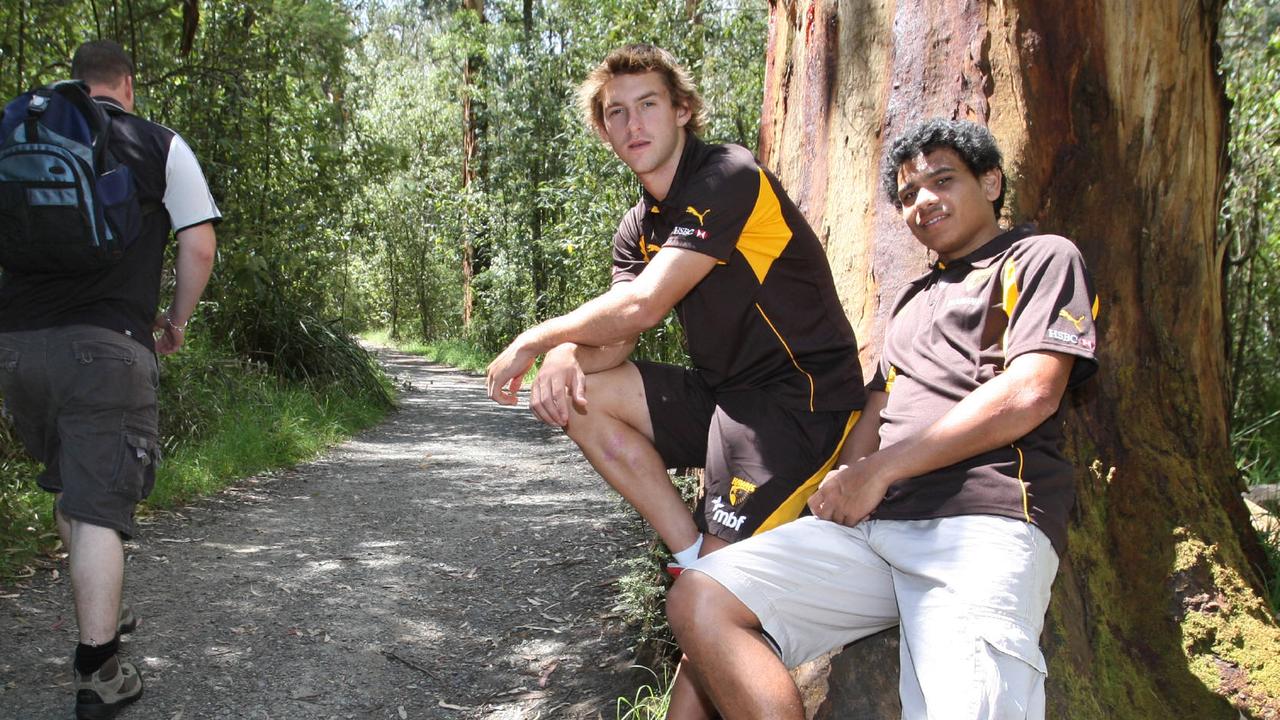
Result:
947,513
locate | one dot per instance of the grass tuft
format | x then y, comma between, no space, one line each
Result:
650,701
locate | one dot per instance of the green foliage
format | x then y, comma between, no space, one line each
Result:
300,346
268,424
1250,226
548,193
1271,546
26,519
257,90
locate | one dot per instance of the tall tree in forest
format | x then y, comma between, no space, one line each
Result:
1113,122
471,68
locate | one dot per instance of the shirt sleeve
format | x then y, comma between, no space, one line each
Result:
1051,304
628,250
714,207
186,194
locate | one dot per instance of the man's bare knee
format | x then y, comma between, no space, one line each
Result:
698,603
614,394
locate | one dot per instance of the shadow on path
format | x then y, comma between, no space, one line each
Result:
456,561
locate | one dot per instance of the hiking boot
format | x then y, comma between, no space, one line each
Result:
128,621
101,695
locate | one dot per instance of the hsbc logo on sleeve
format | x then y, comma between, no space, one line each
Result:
687,231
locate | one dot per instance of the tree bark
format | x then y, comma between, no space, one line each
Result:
470,148
1113,123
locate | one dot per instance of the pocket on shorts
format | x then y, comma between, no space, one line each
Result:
86,351
1011,671
113,374
137,473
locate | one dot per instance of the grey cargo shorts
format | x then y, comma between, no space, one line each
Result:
82,400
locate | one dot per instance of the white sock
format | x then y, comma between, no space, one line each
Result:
686,556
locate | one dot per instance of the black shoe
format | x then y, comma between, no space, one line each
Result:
101,695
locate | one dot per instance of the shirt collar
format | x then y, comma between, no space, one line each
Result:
987,254
105,100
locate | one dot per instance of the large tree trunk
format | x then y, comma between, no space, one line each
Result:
1112,120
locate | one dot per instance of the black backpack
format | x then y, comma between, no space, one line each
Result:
66,205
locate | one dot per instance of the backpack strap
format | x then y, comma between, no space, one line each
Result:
111,110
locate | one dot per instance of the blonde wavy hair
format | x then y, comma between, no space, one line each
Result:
634,60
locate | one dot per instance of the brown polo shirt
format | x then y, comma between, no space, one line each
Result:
767,317
958,327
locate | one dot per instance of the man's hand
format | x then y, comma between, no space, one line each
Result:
560,383
848,494
171,337
506,373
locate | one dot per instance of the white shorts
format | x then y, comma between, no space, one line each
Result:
969,592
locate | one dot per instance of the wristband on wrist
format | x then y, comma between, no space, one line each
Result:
168,319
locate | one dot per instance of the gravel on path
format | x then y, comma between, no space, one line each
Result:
457,561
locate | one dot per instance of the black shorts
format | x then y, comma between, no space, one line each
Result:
761,460
83,401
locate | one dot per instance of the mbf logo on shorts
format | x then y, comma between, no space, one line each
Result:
731,520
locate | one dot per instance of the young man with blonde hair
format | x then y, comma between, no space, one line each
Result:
776,384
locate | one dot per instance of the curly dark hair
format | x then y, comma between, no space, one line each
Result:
974,144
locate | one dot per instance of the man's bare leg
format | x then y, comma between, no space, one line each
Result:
688,700
97,577
722,640
616,436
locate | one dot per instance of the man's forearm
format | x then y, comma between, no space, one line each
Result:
997,413
598,359
605,321
627,309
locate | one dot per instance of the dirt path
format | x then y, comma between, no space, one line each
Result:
454,562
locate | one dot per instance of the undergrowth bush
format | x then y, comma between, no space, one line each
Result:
281,332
